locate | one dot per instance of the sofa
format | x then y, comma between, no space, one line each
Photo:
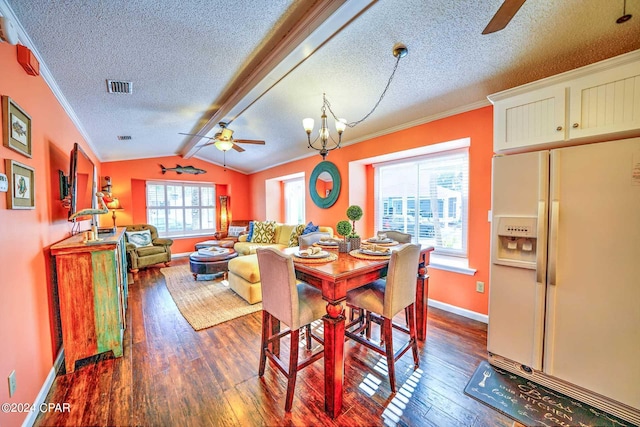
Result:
145,248
244,275
281,239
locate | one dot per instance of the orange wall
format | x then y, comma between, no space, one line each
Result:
357,188
128,178
28,331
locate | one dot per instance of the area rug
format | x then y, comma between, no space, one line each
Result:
207,301
532,404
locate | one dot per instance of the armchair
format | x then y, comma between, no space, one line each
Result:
145,248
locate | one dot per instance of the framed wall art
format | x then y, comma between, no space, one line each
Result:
22,180
16,127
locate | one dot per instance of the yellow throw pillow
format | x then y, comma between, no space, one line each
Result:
264,232
295,233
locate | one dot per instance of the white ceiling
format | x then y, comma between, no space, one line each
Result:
192,61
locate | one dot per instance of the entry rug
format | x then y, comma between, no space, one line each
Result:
207,301
532,404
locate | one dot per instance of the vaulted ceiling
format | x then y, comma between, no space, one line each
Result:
264,66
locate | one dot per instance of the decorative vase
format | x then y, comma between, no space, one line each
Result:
344,246
355,242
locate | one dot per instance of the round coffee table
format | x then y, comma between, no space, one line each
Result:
211,261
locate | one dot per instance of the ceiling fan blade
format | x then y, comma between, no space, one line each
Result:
249,141
194,134
237,148
503,16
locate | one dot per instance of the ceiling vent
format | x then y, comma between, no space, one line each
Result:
124,137
118,86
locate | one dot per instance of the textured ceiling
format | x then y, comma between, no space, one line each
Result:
187,60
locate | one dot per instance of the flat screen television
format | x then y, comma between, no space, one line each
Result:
82,184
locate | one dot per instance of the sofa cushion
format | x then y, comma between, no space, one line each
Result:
310,228
139,238
246,267
284,235
264,232
234,231
150,250
249,233
295,233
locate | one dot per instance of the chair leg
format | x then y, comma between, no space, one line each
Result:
293,369
387,329
266,322
308,333
411,318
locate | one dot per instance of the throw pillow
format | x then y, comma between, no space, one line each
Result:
295,233
139,238
250,233
310,228
264,232
234,231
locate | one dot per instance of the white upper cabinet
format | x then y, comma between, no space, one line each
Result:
593,103
605,103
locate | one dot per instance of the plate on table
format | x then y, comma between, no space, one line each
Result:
376,240
370,252
321,254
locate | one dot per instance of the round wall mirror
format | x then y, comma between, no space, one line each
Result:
324,184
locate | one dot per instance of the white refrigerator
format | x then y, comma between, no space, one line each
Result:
564,301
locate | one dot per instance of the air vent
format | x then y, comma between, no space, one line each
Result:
124,137
117,86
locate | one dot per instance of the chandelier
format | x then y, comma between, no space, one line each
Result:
324,142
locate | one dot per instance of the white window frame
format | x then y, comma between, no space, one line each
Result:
379,209
300,200
163,231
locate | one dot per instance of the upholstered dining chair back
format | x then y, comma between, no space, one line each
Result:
279,290
400,289
398,236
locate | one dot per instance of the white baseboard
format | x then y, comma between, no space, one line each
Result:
459,311
42,395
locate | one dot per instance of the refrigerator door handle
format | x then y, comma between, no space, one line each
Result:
541,232
553,244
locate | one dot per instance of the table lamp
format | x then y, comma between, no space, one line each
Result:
114,205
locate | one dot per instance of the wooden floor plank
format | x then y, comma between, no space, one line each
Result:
172,375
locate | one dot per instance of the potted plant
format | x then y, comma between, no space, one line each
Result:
343,228
354,213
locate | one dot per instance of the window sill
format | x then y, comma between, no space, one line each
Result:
451,263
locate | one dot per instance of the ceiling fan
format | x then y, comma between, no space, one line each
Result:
503,16
223,139
510,7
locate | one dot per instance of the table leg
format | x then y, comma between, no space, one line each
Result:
422,297
334,322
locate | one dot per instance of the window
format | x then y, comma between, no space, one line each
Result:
181,209
427,198
294,194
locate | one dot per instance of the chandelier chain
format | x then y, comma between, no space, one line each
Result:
384,92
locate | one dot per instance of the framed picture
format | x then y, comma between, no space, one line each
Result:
16,127
22,180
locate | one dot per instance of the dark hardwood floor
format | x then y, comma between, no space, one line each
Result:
171,375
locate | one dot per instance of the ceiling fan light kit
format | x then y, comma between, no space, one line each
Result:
324,135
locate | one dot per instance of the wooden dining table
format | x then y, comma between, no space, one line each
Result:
335,279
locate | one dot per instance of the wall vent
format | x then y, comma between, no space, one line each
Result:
118,86
124,137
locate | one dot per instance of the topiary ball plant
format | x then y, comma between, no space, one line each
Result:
354,213
343,228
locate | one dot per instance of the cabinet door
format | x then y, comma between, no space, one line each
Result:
607,102
530,119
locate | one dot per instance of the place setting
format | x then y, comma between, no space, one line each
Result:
382,240
328,243
314,255
372,251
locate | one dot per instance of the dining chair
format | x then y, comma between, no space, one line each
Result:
382,300
293,303
398,236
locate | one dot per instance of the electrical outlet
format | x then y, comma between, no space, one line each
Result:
480,287
12,383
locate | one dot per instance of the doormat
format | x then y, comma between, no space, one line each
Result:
532,404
